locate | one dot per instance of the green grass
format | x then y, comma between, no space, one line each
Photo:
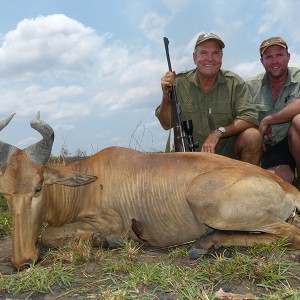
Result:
5,219
84,272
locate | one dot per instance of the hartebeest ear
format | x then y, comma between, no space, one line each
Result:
65,177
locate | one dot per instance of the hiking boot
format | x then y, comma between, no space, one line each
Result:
296,183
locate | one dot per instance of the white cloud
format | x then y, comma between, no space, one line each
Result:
248,69
154,25
176,6
48,42
57,65
26,142
281,18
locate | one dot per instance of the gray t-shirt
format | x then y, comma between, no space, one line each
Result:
262,95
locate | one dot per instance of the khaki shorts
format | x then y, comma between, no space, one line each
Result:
226,147
278,155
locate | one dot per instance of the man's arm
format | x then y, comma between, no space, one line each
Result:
282,116
234,128
163,112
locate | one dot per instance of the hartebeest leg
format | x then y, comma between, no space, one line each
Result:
284,230
57,236
218,238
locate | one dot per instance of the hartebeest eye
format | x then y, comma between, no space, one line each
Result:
37,189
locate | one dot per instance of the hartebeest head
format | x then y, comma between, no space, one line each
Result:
21,180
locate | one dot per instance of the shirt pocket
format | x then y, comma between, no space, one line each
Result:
264,110
263,107
188,108
189,111
220,115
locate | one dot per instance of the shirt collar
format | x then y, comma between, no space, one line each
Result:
194,78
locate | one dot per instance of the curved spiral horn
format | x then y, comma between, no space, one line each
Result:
41,151
5,149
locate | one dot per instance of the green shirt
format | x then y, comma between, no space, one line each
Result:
265,104
229,99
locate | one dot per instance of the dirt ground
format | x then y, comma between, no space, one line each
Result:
5,253
230,290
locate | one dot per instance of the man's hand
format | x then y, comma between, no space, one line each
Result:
265,129
211,142
168,81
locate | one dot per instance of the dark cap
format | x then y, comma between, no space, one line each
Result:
275,40
209,36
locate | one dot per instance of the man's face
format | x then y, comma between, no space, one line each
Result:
208,59
275,61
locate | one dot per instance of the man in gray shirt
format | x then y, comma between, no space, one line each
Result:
276,93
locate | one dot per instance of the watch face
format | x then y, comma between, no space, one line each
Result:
222,129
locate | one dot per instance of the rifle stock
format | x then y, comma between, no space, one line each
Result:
175,110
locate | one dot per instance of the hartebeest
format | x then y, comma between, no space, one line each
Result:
164,199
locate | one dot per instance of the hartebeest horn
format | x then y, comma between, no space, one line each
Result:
5,149
41,151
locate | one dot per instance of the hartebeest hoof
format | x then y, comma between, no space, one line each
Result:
112,241
195,253
115,241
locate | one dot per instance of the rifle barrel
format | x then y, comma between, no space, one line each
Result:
177,126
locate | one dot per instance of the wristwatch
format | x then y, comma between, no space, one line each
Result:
222,129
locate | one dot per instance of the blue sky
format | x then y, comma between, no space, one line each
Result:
93,68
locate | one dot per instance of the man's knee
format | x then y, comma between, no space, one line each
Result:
295,126
250,137
249,146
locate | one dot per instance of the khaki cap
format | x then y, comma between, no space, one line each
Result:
275,40
209,36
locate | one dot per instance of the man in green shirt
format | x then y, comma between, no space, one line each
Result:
276,93
218,102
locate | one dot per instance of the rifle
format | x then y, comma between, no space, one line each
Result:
182,129
175,109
